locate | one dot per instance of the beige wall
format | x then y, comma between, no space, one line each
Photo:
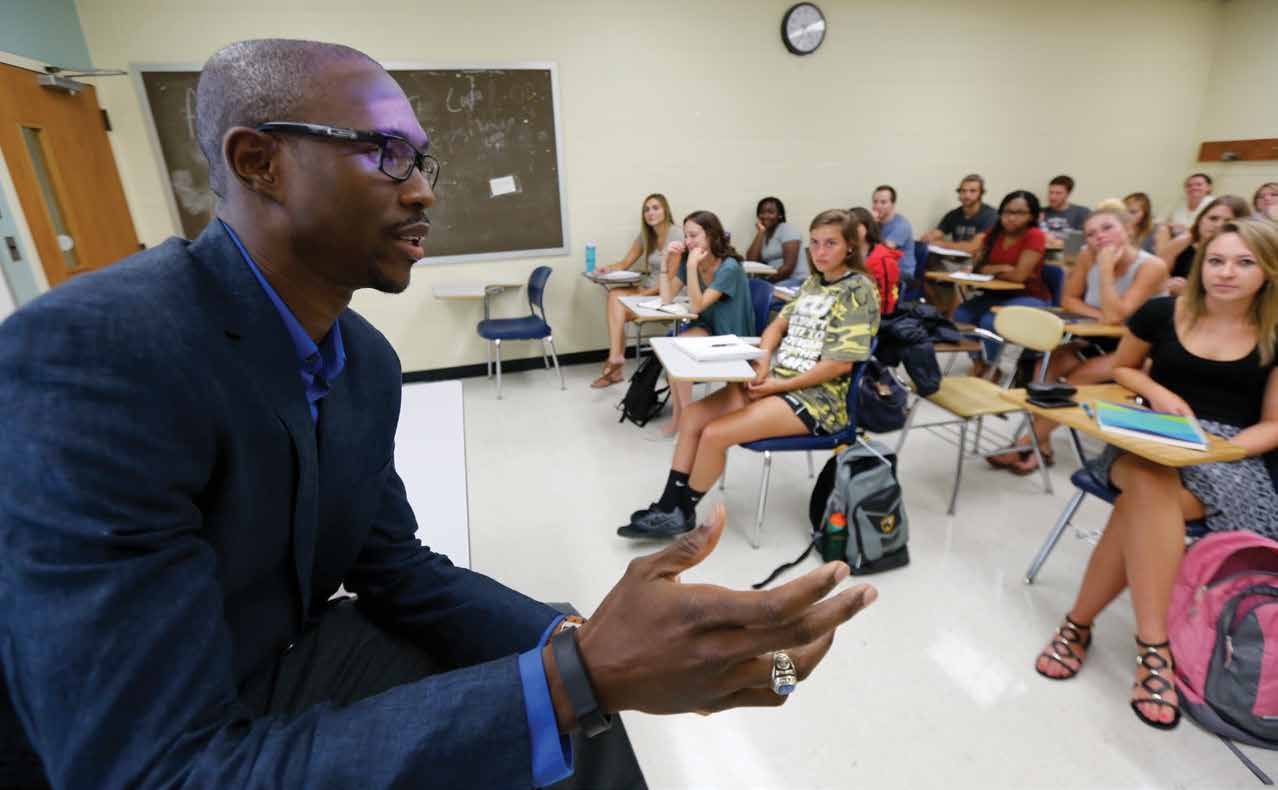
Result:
1242,92
699,100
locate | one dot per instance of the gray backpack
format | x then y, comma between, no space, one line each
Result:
858,487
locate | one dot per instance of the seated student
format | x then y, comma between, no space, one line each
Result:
1013,251
777,243
1197,197
1141,220
882,262
1222,328
1179,252
1061,215
1109,285
963,229
802,380
719,294
894,228
656,229
1265,201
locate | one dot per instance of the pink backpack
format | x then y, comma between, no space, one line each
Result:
1223,626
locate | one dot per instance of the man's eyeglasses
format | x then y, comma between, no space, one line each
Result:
398,156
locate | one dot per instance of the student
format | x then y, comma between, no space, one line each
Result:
656,229
882,262
1265,201
1013,251
1222,328
719,294
964,228
1197,194
1061,215
1141,220
1108,286
894,228
1179,252
777,243
801,383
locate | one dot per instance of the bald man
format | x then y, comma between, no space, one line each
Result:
198,452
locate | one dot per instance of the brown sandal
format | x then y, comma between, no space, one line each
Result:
612,374
1067,635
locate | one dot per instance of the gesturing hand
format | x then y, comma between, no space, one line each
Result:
660,646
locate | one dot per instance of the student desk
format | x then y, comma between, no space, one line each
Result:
681,367
758,269
646,315
1077,420
1075,329
946,252
619,279
987,285
471,292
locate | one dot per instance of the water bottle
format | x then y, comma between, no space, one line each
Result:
836,542
590,256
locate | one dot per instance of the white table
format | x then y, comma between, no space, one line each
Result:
681,367
621,279
472,292
947,252
430,456
643,314
758,269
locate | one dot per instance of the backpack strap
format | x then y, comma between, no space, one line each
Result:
782,569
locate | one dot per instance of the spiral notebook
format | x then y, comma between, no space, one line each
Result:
1155,426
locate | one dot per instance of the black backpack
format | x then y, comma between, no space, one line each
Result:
643,400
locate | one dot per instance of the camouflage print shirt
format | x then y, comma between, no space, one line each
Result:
833,321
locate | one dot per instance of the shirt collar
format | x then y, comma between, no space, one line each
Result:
325,360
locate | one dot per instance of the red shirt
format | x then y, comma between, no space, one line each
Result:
1033,240
884,265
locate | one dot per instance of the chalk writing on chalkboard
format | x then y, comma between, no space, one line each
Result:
493,131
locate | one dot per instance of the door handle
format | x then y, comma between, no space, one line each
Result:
12,244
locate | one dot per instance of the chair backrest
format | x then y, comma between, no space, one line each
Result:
1054,278
854,388
537,289
1031,327
761,298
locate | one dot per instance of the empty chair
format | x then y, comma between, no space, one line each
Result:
530,327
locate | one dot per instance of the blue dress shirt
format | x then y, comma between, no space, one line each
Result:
319,366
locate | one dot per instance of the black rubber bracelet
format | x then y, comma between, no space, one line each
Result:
577,682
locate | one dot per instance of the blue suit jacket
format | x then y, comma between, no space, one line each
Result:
170,514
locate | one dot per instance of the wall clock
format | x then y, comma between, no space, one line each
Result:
803,28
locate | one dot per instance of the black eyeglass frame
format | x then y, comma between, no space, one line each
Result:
427,164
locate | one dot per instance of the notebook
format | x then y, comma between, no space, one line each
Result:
972,277
673,308
1155,426
717,348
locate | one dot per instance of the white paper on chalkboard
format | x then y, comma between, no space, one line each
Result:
506,185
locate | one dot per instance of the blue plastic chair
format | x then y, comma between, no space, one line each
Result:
529,327
761,298
1088,483
802,443
1054,279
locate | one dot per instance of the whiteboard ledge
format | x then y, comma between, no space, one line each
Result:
549,252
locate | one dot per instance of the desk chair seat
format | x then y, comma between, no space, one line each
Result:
1088,483
801,443
970,399
529,327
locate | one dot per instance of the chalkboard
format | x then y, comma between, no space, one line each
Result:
493,130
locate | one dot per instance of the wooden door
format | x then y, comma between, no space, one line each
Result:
61,164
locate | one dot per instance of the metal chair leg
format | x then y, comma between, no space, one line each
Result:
1067,515
497,343
490,359
905,429
756,538
811,468
1042,466
554,355
545,360
958,471
976,445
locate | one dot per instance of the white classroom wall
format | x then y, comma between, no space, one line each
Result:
1242,93
699,100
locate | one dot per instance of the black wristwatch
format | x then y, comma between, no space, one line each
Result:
577,681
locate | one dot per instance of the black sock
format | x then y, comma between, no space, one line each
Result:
676,484
690,500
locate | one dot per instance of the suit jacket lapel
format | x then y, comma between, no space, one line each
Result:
254,326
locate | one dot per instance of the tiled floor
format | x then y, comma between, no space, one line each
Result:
932,686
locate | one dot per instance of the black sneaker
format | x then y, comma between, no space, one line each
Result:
638,514
659,524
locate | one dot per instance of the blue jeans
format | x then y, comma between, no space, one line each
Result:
977,311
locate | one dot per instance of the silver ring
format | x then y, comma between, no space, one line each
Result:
784,675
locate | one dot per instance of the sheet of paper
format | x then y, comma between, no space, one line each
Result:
506,185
